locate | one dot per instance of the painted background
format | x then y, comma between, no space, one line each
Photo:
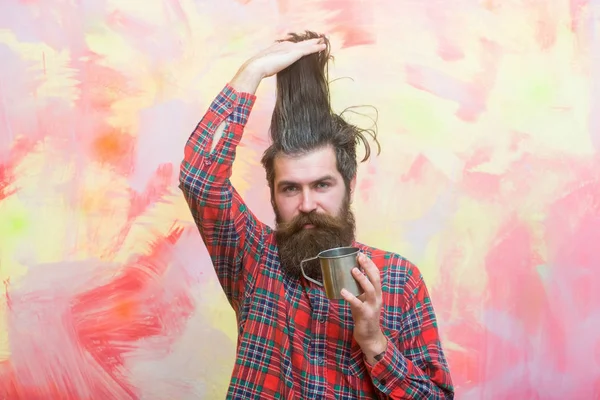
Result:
489,181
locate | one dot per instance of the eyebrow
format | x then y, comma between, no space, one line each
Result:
292,183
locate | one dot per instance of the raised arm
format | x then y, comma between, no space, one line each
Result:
230,231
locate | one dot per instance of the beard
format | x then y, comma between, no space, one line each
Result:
296,243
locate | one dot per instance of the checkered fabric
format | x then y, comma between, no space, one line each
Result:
293,342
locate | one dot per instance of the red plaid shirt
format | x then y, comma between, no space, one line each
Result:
294,343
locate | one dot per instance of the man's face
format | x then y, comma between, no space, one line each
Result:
312,207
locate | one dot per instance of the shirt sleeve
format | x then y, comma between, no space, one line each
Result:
414,365
230,231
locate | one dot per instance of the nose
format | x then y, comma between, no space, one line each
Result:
308,202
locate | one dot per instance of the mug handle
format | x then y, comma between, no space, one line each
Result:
304,273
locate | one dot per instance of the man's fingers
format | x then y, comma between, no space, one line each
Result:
302,48
313,45
372,272
285,38
288,38
364,282
352,299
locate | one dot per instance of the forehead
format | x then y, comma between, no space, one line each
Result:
307,167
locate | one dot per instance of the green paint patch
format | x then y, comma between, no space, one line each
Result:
14,219
417,116
544,272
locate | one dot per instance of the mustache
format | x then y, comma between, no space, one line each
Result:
318,220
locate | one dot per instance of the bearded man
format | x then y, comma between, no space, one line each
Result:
293,341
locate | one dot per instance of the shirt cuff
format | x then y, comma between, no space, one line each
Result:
388,372
233,104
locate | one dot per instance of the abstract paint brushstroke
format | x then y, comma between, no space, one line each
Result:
488,181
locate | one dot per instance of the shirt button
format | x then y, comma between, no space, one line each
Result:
322,320
321,361
207,162
228,105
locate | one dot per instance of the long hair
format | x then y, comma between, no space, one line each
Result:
303,119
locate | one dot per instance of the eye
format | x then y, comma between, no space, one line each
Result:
323,185
289,189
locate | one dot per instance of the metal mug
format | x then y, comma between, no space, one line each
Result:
336,270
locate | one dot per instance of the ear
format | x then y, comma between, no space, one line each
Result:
352,186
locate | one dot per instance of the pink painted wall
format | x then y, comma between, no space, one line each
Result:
489,181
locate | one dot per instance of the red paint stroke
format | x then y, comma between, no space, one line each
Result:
11,388
573,229
367,184
423,170
511,267
351,19
469,95
158,186
6,293
133,28
546,30
416,170
545,21
6,179
100,88
108,322
577,8
546,300
465,328
482,186
480,156
441,17
109,319
22,147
